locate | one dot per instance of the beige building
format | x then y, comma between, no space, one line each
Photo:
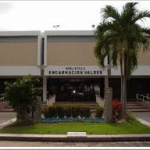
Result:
20,53
66,65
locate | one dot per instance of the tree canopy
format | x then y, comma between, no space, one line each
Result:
22,96
121,37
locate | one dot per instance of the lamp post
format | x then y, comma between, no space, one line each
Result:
93,26
56,26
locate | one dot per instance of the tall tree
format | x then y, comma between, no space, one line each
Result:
22,96
120,37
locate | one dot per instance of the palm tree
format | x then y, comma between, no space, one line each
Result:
120,37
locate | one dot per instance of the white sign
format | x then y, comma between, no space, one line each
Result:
76,134
74,70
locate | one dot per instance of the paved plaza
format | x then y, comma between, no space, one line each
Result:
6,116
143,115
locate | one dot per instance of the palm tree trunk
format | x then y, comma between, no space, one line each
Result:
124,97
108,113
121,78
123,86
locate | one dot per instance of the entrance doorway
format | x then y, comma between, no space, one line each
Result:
75,90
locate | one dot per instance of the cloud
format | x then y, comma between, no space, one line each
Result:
5,7
43,15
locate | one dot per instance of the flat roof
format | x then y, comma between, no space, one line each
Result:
20,33
70,33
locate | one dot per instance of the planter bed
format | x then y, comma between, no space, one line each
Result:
47,120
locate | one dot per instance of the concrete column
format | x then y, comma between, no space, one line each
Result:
108,105
106,82
37,111
44,88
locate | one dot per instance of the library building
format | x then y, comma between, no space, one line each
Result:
65,63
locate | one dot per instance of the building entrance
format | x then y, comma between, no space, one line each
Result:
75,90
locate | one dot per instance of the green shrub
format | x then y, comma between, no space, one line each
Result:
22,95
85,112
45,111
99,112
75,111
52,112
60,111
79,108
68,111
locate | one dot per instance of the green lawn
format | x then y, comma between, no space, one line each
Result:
132,126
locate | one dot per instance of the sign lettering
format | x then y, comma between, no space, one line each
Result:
75,70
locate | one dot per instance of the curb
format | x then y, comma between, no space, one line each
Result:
65,138
9,122
143,121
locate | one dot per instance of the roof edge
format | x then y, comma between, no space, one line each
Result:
70,33
20,33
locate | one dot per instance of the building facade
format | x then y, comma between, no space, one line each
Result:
65,63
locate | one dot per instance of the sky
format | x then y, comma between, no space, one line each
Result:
46,15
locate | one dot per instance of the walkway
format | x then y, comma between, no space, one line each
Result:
6,116
143,117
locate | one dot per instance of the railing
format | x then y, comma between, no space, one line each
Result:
140,97
51,100
51,96
100,100
100,97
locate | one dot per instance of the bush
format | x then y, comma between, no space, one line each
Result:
117,110
22,96
68,111
60,111
85,112
52,112
45,111
75,111
99,112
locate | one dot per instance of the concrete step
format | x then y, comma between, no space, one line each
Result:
7,110
76,103
132,104
139,110
93,107
93,110
134,107
4,105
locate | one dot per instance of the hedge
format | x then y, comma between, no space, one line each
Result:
68,111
